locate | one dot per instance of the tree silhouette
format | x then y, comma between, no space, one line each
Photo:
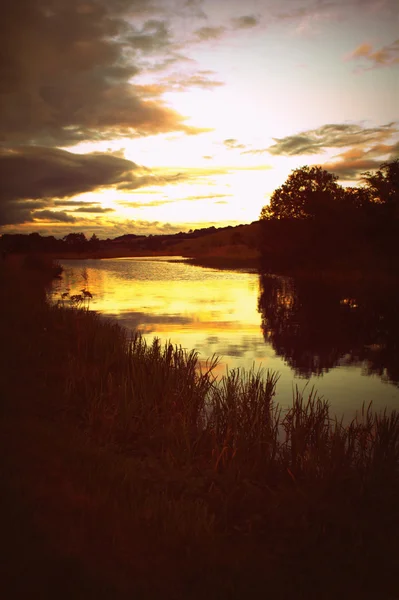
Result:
76,241
383,185
315,325
94,242
309,192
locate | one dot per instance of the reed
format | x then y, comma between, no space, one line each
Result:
155,452
157,398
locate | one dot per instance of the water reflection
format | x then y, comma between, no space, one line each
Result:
300,329
317,325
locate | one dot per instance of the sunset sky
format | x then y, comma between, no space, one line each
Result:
139,116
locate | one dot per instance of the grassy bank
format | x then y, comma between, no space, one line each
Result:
130,473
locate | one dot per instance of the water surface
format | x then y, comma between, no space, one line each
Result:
345,345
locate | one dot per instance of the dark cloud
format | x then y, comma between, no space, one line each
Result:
151,179
32,177
330,136
74,203
205,34
245,22
36,172
53,216
66,69
384,57
93,209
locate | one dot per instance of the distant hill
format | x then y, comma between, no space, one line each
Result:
232,244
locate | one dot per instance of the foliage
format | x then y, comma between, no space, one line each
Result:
309,192
77,240
359,198
383,185
94,242
312,222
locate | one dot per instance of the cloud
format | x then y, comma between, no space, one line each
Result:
53,216
204,34
74,203
351,169
307,17
139,226
33,177
180,83
162,202
245,22
353,162
93,209
195,8
67,67
330,136
312,10
384,57
208,196
151,179
152,37
37,172
255,151
108,228
233,144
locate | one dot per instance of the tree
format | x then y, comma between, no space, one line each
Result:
358,198
94,242
384,186
76,241
309,192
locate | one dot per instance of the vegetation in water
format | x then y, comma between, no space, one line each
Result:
133,459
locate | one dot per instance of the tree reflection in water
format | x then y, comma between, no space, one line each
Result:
317,325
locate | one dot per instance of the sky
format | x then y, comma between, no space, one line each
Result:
160,116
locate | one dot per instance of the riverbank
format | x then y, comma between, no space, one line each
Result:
118,477
229,257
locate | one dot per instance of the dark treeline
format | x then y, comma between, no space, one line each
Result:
313,222
317,324
78,242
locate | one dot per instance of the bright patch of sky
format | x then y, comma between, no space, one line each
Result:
252,80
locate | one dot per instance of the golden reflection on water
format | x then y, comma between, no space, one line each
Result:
213,312
196,308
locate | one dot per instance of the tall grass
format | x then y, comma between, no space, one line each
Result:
148,398
154,457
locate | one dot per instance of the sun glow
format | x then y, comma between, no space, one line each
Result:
189,114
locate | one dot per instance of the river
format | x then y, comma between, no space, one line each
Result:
341,340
